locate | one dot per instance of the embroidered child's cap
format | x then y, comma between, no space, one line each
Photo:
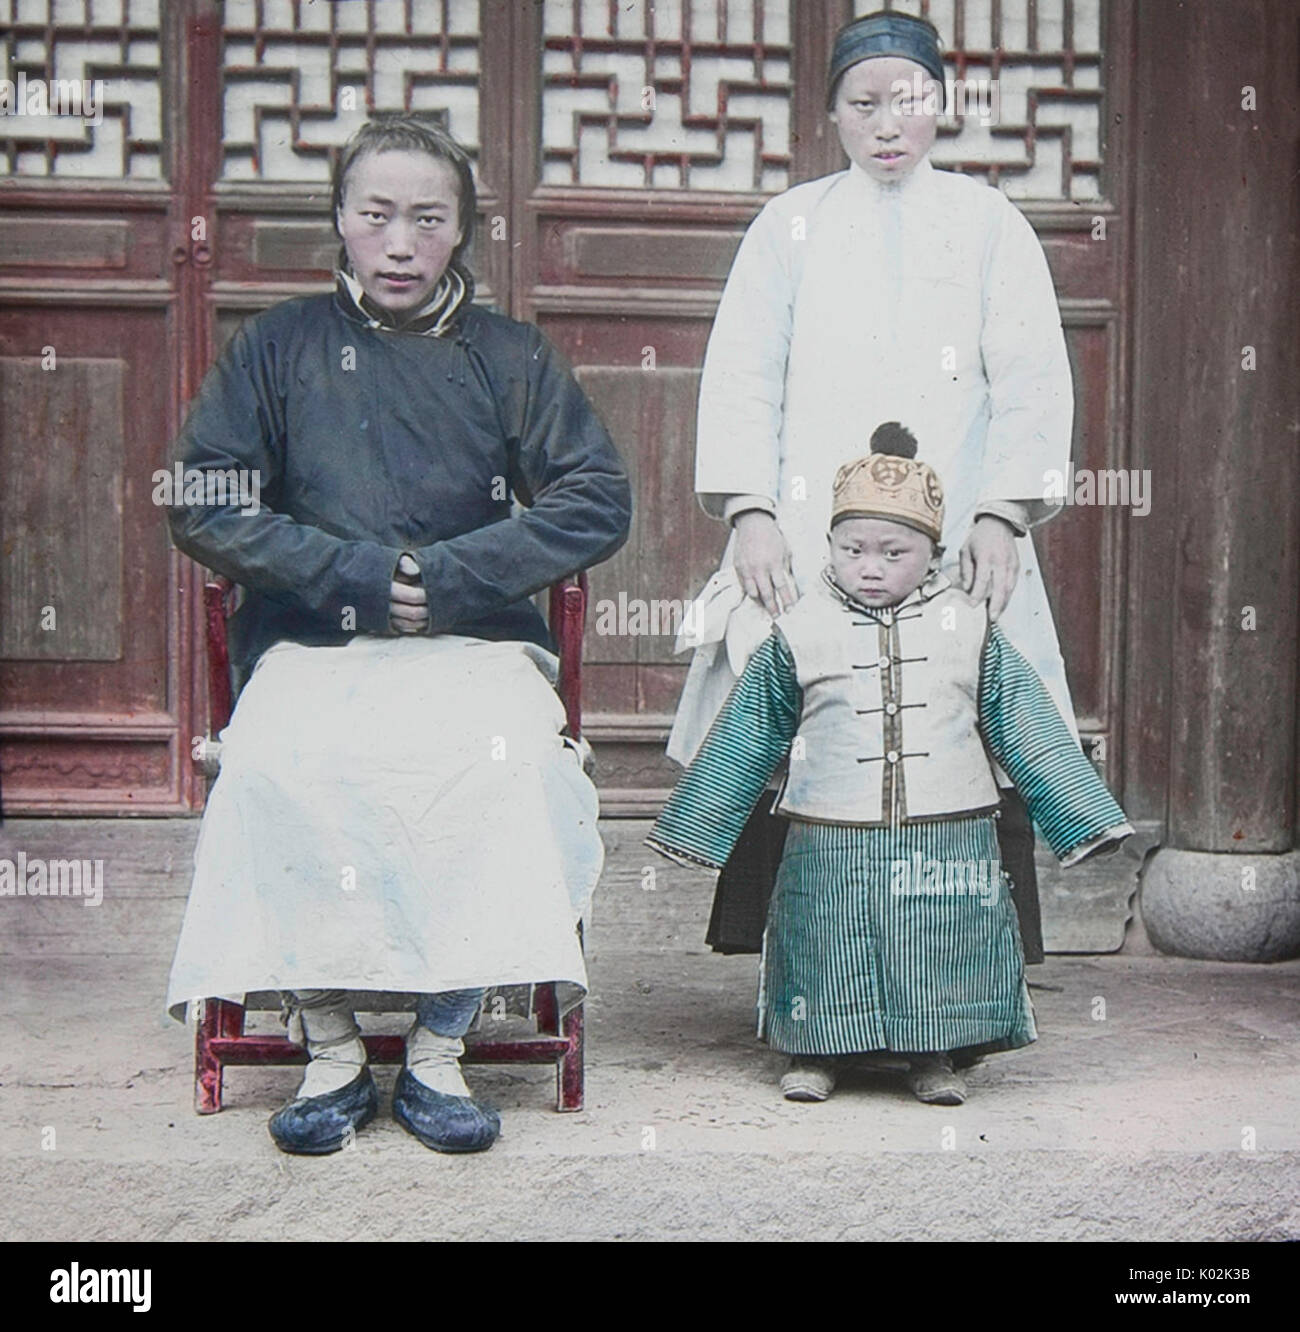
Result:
890,482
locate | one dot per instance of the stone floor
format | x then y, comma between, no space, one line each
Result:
1159,1103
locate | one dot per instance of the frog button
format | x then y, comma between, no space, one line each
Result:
891,708
892,756
883,663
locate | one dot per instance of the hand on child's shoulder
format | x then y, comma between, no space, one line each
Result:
967,598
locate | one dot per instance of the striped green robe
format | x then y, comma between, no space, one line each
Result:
889,938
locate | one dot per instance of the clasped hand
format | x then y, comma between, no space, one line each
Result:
408,601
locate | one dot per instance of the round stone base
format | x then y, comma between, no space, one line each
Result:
1227,908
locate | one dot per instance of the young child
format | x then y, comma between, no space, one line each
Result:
891,926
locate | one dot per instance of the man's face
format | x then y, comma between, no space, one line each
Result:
885,130
399,220
879,562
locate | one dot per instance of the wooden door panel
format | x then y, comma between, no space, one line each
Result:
81,444
62,585
93,694
637,340
1077,547
90,700
639,597
604,248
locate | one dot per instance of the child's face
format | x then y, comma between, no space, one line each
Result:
877,561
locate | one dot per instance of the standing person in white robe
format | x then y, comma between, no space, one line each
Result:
889,291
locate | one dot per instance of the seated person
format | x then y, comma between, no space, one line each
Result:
397,809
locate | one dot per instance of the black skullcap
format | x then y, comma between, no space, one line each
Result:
884,33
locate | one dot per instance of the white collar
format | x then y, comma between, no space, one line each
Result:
914,183
438,311
935,582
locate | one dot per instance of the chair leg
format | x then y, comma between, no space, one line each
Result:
546,1009
570,1073
207,1067
230,1017
218,1018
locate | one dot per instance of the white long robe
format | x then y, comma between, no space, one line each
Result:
397,815
852,303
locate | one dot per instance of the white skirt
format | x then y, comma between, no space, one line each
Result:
398,815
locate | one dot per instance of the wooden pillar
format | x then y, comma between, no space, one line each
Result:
814,144
1217,409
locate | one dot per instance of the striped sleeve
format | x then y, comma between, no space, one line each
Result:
707,810
1026,734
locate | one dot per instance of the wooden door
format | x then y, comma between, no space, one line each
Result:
621,150
94,255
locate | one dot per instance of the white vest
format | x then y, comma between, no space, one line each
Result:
890,703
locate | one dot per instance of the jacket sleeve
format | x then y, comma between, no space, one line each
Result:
568,473
236,426
707,810
1031,393
742,389
1025,733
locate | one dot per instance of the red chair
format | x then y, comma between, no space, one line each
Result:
220,1038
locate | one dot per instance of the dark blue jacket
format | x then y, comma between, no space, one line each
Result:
370,442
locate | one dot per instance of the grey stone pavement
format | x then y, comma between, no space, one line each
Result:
1161,1102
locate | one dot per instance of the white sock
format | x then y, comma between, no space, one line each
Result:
333,1040
435,1061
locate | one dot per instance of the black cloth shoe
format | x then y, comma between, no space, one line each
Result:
445,1123
318,1125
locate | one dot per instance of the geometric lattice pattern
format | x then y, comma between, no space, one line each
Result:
111,44
1043,58
299,78
673,94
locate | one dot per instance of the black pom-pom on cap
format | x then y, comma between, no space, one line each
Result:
893,439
